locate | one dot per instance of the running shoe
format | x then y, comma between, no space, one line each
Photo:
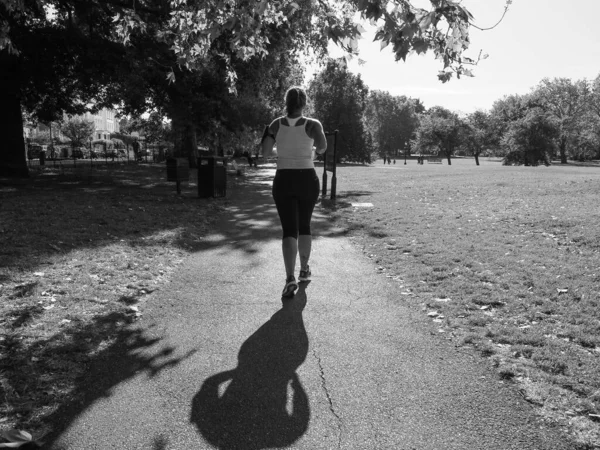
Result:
290,287
305,274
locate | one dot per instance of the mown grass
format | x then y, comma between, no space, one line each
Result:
79,250
505,259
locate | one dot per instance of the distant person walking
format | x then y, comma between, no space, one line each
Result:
251,161
136,150
296,184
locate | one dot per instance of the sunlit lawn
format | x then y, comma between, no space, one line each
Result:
506,259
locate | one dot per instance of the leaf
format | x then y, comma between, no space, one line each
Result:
16,436
262,7
408,31
444,76
426,21
420,46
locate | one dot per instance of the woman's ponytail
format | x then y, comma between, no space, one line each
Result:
295,99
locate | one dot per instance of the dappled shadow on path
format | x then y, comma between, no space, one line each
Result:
261,403
251,216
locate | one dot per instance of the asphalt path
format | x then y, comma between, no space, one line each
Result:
343,365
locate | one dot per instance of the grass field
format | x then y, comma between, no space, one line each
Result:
505,259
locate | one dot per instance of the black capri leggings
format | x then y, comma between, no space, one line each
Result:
295,192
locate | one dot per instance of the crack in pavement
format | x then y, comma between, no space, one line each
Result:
328,396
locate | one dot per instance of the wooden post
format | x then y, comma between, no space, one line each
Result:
330,164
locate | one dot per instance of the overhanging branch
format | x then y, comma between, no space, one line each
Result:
508,3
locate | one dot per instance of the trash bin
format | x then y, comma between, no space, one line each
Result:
212,176
42,157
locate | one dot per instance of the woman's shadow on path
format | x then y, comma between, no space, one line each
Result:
261,403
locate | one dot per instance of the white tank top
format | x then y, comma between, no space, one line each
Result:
294,146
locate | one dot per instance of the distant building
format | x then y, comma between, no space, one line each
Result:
104,121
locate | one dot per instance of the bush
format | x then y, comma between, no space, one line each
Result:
526,158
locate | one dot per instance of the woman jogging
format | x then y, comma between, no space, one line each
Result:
296,185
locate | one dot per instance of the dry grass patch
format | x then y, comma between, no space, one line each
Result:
506,259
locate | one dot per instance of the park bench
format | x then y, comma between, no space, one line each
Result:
434,160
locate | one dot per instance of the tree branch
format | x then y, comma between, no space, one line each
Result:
123,5
508,3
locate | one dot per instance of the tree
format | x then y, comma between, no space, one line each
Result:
478,134
530,138
594,97
504,112
78,131
439,128
200,105
594,110
565,101
391,121
82,46
585,139
127,139
338,101
55,57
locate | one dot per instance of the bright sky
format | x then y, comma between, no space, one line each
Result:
536,39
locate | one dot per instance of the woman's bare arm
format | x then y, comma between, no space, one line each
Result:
268,141
318,135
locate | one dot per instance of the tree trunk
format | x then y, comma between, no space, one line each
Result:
190,144
563,149
13,161
476,159
186,145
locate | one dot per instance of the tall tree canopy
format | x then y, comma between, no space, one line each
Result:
440,129
565,101
478,134
84,47
391,121
530,138
338,101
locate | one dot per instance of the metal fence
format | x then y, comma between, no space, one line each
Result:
77,162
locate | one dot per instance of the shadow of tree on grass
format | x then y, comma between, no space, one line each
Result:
129,352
